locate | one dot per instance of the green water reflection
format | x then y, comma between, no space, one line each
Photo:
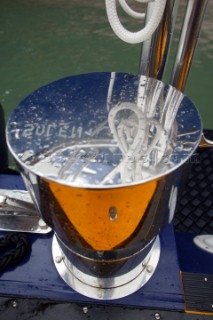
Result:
44,40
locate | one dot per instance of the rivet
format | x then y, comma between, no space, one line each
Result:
42,224
149,269
58,259
157,316
100,254
113,213
14,304
85,310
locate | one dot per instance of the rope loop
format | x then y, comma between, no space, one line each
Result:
145,33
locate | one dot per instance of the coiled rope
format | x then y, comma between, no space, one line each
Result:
139,36
13,248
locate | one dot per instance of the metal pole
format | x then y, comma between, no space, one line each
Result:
186,48
155,51
188,41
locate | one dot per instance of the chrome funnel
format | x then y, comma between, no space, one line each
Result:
101,155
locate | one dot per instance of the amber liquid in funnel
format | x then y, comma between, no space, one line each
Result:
102,218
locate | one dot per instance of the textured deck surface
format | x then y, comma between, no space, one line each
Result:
195,209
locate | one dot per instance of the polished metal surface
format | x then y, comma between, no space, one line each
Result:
106,288
186,48
101,155
18,213
70,133
188,40
155,51
89,146
117,133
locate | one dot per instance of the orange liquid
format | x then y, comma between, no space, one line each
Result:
104,218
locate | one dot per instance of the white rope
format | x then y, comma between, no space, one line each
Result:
142,149
130,11
139,36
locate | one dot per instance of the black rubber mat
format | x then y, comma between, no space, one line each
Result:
195,209
198,290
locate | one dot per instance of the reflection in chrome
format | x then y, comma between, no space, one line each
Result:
143,140
134,135
137,138
99,154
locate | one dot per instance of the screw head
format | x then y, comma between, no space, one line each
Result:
157,316
14,304
42,224
100,253
149,269
85,310
113,213
58,259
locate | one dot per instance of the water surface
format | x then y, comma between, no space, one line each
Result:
43,40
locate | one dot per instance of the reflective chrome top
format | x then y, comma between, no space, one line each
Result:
104,130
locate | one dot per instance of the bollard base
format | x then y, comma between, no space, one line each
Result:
106,288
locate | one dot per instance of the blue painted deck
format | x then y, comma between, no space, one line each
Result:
37,277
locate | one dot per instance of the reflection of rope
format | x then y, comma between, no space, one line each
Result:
129,133
138,139
110,89
143,130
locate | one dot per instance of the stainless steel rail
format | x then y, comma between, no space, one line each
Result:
155,51
186,48
188,41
